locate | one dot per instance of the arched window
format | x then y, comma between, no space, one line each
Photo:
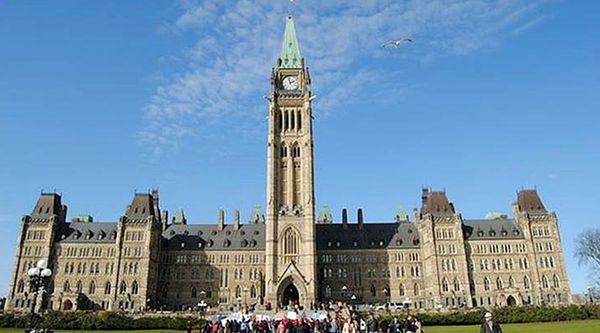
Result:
327,291
79,287
290,244
526,282
107,288
286,120
416,289
373,291
67,286
122,288
238,291
134,288
511,282
20,286
444,285
545,283
456,285
92,289
555,281
299,121
486,284
401,289
165,291
499,284
279,124
253,292
292,119
194,292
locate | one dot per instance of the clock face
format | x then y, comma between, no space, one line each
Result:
290,83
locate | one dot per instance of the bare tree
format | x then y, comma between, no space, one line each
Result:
587,251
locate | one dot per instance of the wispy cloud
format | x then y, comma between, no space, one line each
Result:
227,67
530,24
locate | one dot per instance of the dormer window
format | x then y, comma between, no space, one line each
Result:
381,242
398,241
492,233
516,232
416,241
226,243
182,244
355,243
329,243
338,243
244,243
504,233
253,243
480,233
210,243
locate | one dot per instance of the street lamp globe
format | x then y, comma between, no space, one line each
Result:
41,264
33,272
46,272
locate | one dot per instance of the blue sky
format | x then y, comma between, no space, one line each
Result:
99,100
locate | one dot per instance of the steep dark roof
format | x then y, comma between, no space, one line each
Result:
492,229
142,206
87,232
529,201
436,203
371,236
209,237
48,204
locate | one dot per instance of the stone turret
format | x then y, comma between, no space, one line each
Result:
221,220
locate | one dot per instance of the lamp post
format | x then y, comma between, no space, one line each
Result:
407,302
353,299
38,279
385,293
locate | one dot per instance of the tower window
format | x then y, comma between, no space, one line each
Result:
299,121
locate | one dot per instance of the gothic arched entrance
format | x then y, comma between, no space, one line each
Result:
511,301
67,305
290,295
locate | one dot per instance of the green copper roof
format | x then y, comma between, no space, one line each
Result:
325,215
179,217
401,215
257,217
290,50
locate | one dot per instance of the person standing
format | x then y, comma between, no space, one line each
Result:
394,326
372,324
490,325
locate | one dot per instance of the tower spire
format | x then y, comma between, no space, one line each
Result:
290,57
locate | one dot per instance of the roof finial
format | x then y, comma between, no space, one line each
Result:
291,6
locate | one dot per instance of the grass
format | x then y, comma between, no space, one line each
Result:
584,326
587,326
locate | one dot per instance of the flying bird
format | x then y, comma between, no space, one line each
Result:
395,43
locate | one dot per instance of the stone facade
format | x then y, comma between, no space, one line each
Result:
434,257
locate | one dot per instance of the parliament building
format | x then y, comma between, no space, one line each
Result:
431,257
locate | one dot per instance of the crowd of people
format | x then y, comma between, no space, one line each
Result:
337,322
294,322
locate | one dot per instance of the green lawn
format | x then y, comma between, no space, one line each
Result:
588,326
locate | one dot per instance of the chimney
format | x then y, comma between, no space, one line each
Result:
344,218
165,219
359,218
221,220
236,219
